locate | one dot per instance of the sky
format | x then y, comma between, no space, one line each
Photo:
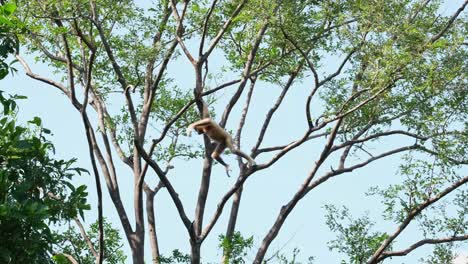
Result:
264,193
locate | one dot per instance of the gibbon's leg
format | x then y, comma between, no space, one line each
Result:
244,155
217,156
194,125
238,152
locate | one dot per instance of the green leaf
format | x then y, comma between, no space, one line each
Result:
60,258
36,121
9,8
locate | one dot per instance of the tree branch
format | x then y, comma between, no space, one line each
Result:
89,133
205,27
411,215
50,82
450,23
246,72
86,238
334,173
180,30
275,107
420,243
174,195
221,32
287,208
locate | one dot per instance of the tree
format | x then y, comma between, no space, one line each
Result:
35,189
398,69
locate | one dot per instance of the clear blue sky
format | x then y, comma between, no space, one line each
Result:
264,193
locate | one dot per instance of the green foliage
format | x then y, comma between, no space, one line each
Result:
176,257
235,248
72,242
35,189
355,238
8,41
281,258
442,254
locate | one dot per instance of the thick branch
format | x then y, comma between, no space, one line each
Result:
174,195
449,24
287,208
89,133
50,82
151,224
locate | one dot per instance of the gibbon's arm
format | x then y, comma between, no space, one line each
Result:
194,125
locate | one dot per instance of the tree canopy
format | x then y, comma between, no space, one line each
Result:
378,79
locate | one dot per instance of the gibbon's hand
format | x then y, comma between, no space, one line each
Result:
189,131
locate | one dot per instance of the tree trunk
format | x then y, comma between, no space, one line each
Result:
152,226
195,256
138,252
232,223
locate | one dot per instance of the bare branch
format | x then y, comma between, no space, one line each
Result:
377,135
420,243
449,23
53,83
340,68
223,30
269,149
345,153
334,173
244,114
205,27
86,238
174,195
180,30
246,72
277,104
219,208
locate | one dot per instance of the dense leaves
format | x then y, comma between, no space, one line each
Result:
35,189
72,242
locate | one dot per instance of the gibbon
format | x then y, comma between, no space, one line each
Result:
219,135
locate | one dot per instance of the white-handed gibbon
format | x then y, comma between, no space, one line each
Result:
221,137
